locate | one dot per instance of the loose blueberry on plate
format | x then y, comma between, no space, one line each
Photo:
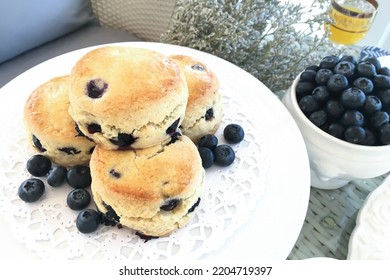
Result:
31,190
224,155
208,141
38,165
56,176
79,177
78,199
233,133
88,221
207,157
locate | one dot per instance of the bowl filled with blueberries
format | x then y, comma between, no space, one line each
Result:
342,108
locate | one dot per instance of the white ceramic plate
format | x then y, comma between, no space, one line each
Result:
268,231
370,238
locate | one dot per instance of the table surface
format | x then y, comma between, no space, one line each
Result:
331,219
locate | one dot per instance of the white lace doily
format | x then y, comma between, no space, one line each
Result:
47,227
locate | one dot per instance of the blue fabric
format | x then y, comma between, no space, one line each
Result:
25,24
369,51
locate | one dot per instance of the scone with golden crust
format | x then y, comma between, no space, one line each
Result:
204,109
127,98
51,128
153,191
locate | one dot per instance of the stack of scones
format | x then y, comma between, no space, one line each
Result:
135,115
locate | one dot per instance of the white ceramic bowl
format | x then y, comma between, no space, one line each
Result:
334,162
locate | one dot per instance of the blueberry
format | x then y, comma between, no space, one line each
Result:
56,176
379,118
352,118
69,150
370,139
124,140
384,71
345,68
110,218
304,88
364,84
31,190
224,155
233,133
384,96
353,98
349,58
374,61
88,221
173,127
96,88
384,134
366,69
313,67
94,128
334,108
209,141
323,76
308,104
329,62
320,94
337,82
38,144
79,177
192,208
38,165
354,134
115,174
372,104
336,130
197,67
78,199
209,115
318,118
170,204
381,82
207,157
308,76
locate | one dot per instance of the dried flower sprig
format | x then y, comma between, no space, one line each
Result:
270,39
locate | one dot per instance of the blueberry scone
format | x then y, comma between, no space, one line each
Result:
51,129
204,109
153,191
127,98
